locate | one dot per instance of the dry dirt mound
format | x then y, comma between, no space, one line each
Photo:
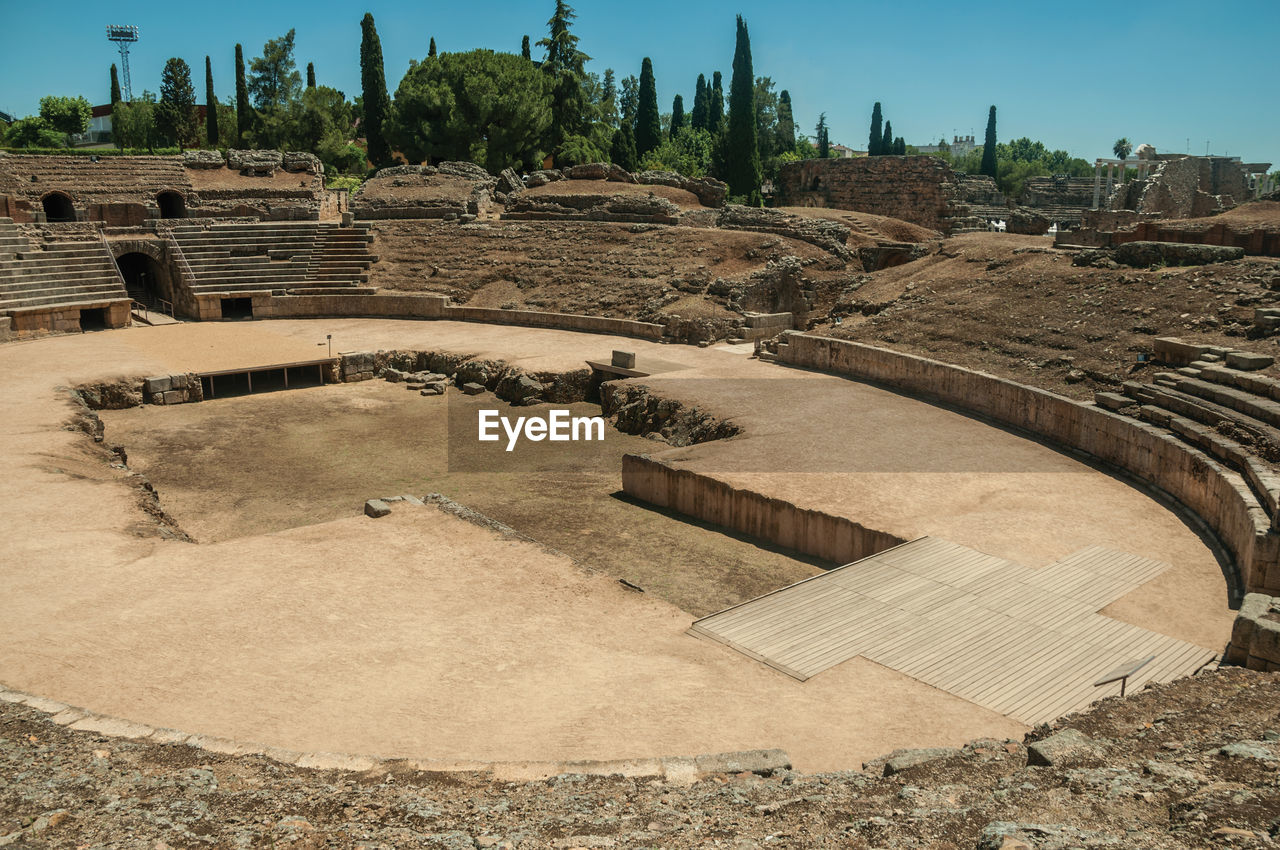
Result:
604,189
1189,764
1014,306
415,188
604,269
867,229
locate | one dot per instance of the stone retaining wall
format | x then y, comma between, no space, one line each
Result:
1221,499
919,189
1255,635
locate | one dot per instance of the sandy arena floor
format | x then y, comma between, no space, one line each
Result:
423,635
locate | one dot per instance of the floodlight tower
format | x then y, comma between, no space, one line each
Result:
123,36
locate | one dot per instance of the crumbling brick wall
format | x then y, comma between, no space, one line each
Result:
1186,187
920,189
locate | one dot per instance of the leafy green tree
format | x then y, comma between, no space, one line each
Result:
68,115
210,106
989,146
629,100
701,104
742,154
524,48
677,115
609,99
648,122
786,130
565,65
431,49
311,75
576,150
623,150
115,85
886,141
373,82
176,113
133,125
244,112
1122,148
491,108
715,105
824,139
34,132
274,81
688,152
876,139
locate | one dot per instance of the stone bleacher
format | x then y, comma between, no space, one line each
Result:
1219,404
259,257
47,285
110,179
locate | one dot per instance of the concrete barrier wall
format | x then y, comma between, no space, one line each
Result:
1221,499
833,538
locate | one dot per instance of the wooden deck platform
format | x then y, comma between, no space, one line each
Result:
1026,643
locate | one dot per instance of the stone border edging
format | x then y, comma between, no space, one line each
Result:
678,769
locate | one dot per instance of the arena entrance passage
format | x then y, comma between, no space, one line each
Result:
142,276
237,308
58,207
265,379
172,205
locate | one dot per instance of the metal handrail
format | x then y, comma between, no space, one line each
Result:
176,249
106,246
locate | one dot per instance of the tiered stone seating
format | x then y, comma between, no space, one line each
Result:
60,274
110,178
1230,414
234,258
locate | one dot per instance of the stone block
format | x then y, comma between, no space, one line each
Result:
907,759
1111,401
174,397
763,762
434,388
1247,361
376,508
1175,352
157,385
624,359
472,388
1059,747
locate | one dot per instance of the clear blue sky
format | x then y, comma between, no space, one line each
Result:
1176,74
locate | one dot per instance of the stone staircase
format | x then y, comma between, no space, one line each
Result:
275,257
1220,405
63,273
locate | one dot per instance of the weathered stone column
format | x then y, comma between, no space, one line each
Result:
1097,183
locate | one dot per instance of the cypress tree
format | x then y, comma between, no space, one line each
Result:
786,123
701,104
989,146
877,132
648,123
565,64
115,85
677,115
742,159
900,146
244,117
431,48
886,143
374,84
210,105
311,75
623,149
524,49
715,106
824,140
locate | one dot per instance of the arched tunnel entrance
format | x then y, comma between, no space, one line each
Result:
58,207
142,278
171,205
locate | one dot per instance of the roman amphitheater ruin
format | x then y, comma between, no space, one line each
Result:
231,524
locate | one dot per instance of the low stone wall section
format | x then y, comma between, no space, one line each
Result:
1221,499
1255,635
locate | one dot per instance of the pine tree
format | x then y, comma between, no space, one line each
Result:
900,146
877,132
824,140
623,149
566,65
609,99
244,118
524,49
677,115
115,85
648,123
786,123
210,105
374,85
311,75
989,147
715,109
431,48
886,143
701,104
742,159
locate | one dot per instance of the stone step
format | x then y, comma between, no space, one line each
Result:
1257,407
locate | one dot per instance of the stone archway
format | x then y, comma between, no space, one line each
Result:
171,204
58,206
147,271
